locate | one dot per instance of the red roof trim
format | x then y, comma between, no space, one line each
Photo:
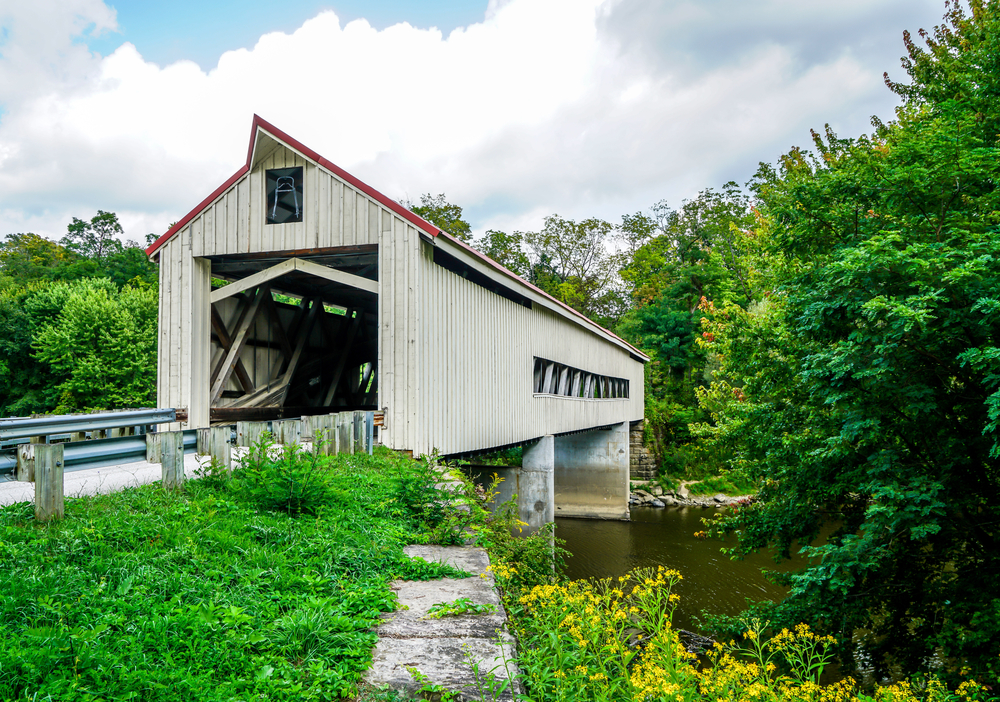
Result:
196,211
479,254
261,124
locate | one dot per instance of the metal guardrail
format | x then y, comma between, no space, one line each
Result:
21,427
97,453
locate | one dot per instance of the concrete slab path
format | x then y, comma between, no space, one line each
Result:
440,648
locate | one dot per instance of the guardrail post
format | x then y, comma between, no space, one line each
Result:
48,482
78,436
154,444
214,442
248,433
39,439
26,463
345,432
172,454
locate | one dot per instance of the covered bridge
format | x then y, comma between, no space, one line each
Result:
295,289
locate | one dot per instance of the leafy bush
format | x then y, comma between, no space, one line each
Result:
287,479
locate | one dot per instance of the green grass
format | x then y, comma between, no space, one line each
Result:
730,484
208,594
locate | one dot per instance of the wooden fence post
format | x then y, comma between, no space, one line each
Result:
248,433
214,442
345,432
154,442
48,482
172,455
324,432
286,431
26,463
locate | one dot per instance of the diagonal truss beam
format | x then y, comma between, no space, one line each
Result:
239,340
288,266
227,343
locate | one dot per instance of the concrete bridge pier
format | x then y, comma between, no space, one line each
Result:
592,474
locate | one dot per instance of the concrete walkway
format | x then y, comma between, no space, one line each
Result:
96,481
440,648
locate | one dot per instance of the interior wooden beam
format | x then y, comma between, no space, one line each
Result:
332,274
366,376
226,343
252,281
243,307
275,394
229,362
222,415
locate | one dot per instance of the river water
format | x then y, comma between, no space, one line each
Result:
712,581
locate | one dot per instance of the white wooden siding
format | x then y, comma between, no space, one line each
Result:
335,214
184,324
476,366
398,352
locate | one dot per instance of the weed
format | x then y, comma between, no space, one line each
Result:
463,605
430,690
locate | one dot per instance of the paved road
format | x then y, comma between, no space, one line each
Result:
95,481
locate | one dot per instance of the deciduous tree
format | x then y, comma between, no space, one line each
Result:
864,386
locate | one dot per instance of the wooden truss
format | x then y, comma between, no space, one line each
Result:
553,378
337,371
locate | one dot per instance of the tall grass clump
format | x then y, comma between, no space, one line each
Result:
259,585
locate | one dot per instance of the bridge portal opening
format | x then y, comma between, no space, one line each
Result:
293,333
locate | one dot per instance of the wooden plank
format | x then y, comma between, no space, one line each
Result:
252,281
48,482
229,363
345,432
172,459
337,276
249,433
287,432
214,443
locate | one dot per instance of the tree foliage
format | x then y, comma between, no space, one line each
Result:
864,385
77,321
578,263
441,213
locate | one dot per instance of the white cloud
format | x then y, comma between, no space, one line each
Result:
572,106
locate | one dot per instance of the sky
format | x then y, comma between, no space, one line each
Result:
514,109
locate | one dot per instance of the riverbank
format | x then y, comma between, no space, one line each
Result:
655,496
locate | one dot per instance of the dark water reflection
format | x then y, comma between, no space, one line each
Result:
712,581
